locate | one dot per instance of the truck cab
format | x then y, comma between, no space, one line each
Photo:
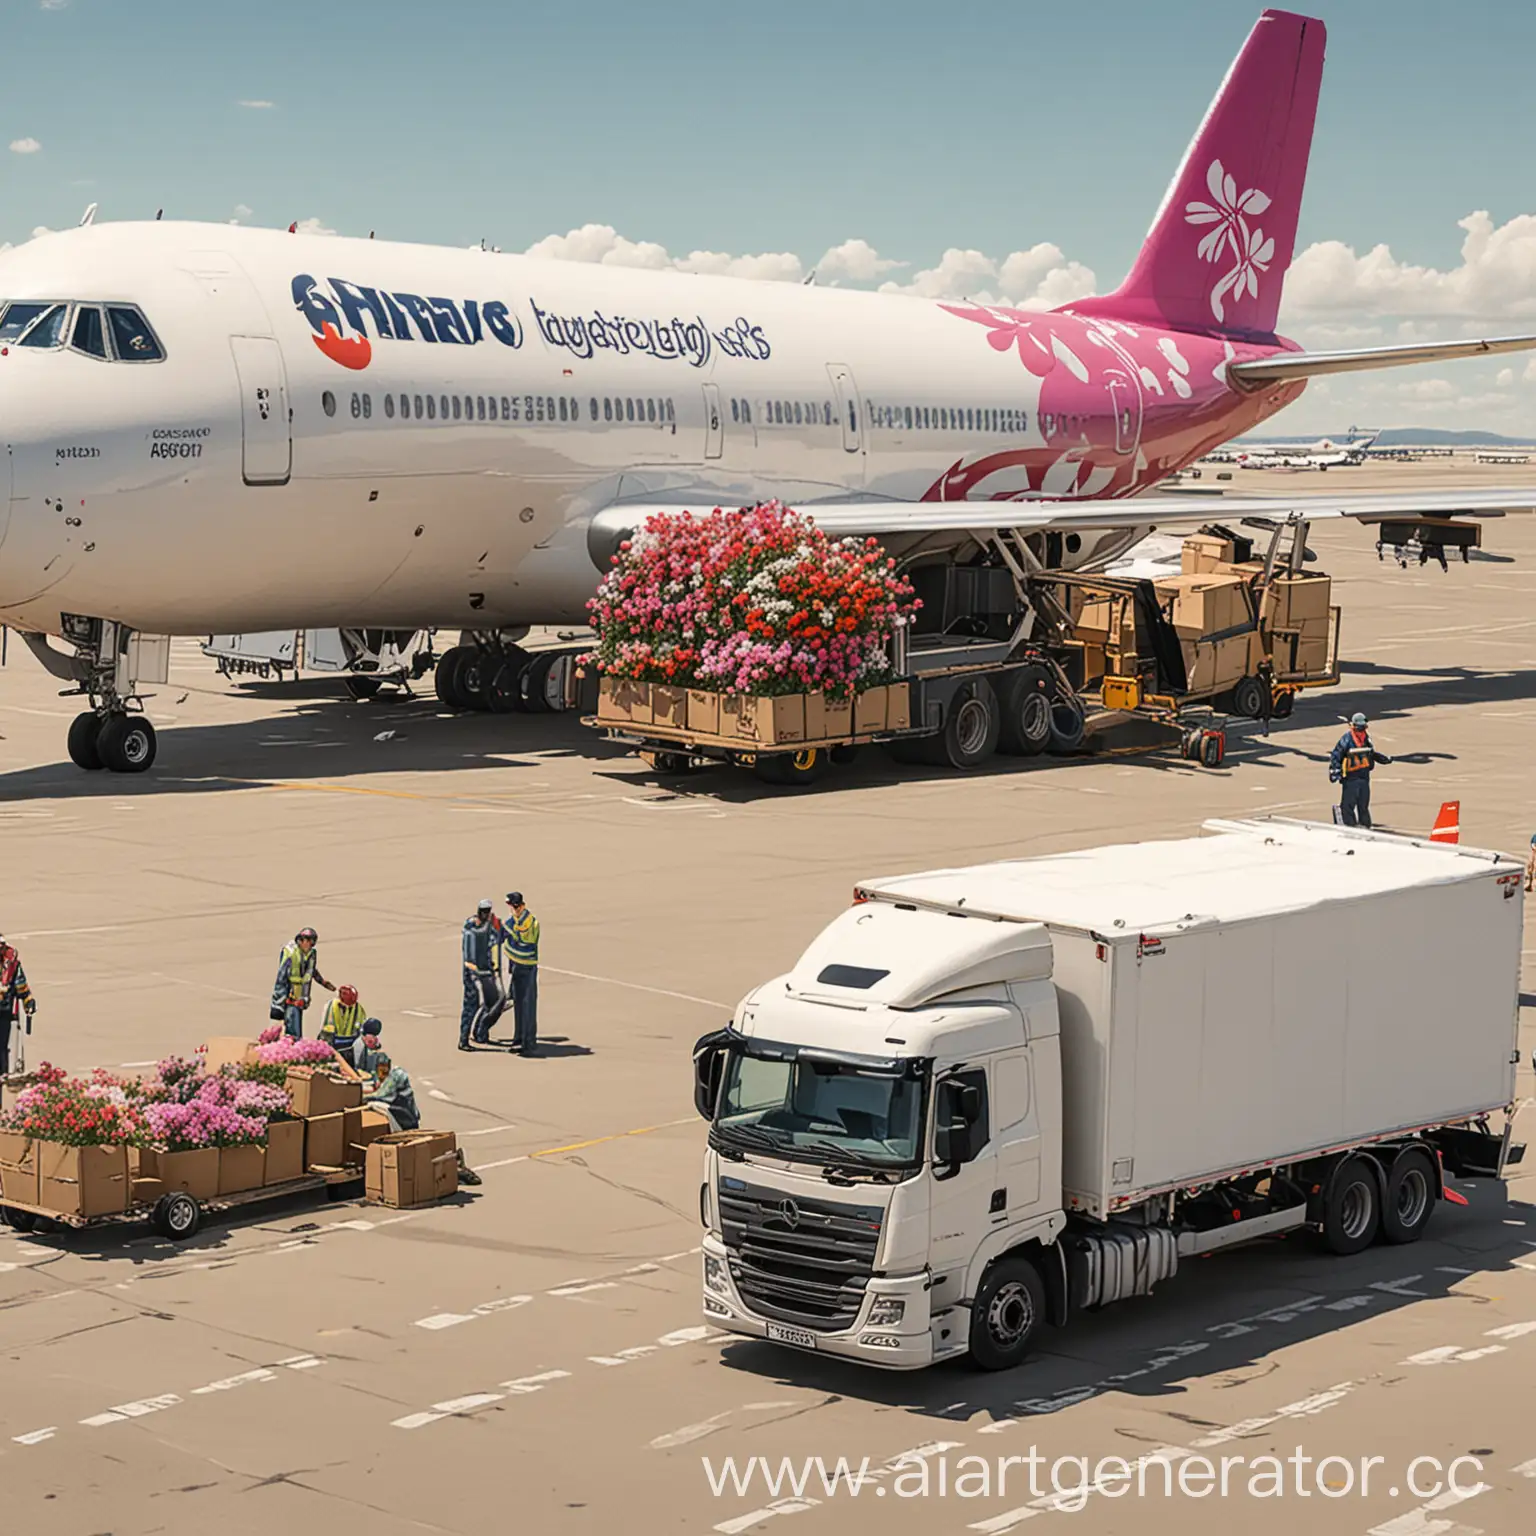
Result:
884,1123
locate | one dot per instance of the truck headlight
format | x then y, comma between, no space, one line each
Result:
714,1274
887,1311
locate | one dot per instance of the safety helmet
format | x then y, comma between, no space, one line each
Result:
372,1027
1357,720
307,933
348,995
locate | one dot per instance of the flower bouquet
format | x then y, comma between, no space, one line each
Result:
753,604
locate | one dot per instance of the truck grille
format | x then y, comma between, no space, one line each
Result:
799,1261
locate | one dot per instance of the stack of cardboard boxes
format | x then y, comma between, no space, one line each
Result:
407,1168
783,720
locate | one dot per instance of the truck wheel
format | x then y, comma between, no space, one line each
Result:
1026,713
176,1216
1069,724
1248,698
1410,1200
1008,1312
971,728
20,1221
843,755
1352,1214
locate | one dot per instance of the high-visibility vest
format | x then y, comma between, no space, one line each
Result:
343,1020
1357,759
301,971
523,939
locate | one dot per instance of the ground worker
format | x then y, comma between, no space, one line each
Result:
1351,763
522,931
297,969
344,1017
367,1055
483,997
13,990
393,1097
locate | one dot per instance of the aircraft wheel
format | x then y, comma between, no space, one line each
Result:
446,679
127,744
363,687
474,677
504,690
535,684
85,740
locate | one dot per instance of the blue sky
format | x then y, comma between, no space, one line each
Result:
786,127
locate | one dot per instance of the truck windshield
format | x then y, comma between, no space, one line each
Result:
821,1111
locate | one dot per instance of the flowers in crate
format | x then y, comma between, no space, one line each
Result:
754,601
289,1052
79,1112
202,1122
267,1036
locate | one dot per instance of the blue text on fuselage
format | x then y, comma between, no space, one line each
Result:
402,316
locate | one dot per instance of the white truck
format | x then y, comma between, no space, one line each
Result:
987,1098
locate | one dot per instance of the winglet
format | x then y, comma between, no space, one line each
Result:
1447,828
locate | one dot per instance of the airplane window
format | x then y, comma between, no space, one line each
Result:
431,408
469,407
328,403
607,409
357,407
853,417
735,409
629,410
796,408
592,406
367,407
418,407
479,407
746,411
442,406
389,406
131,336
575,409
670,416
563,409
455,408
47,332
906,412
90,337
405,407
17,318
650,410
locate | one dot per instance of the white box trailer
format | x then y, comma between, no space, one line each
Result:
987,1097
1269,991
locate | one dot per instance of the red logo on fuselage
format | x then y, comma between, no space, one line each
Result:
349,351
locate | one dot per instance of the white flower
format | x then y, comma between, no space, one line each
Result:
1228,215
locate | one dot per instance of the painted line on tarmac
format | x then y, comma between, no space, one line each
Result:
635,986
1417,1522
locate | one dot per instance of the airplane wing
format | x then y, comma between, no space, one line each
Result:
870,518
1283,366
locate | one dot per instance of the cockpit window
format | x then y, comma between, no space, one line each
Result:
47,331
18,317
131,336
90,335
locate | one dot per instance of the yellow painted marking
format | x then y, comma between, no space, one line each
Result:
597,1141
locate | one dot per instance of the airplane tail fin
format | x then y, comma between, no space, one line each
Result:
1447,828
1220,245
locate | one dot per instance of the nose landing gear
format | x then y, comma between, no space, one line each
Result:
108,667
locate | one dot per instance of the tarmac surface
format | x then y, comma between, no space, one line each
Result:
531,1355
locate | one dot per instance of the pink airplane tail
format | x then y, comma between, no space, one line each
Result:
1218,250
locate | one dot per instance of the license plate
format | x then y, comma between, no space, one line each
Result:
800,1336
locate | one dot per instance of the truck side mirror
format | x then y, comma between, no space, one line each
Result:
957,1116
709,1055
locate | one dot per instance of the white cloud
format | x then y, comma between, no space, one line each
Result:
856,260
603,244
1496,278
242,212
257,106
25,146
313,227
51,5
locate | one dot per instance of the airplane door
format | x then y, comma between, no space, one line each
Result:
1125,405
263,409
714,423
849,406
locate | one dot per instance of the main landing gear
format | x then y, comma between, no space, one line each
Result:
492,674
110,664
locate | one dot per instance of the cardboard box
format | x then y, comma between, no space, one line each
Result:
1205,603
703,712
869,710
241,1168
318,1092
407,1168
1098,613
82,1181
1206,554
324,1141
285,1151
669,707
766,722
145,1191
372,1124
18,1168
898,707
228,1051
1213,665
195,1172
623,701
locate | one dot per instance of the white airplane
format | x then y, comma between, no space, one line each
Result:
221,429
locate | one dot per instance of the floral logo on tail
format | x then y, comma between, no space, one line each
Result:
1251,250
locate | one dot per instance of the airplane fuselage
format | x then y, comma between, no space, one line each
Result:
360,432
